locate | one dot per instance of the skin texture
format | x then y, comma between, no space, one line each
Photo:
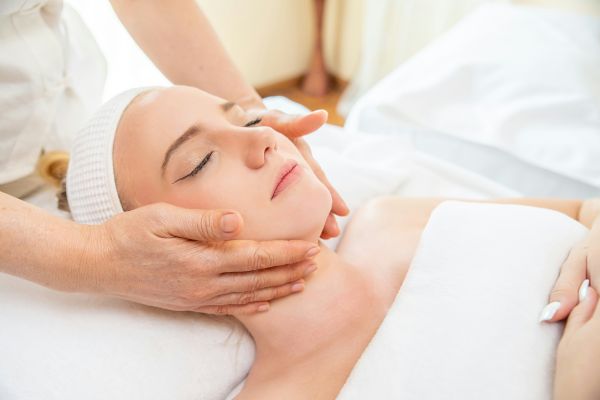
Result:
578,353
241,174
169,33
583,262
295,340
308,343
132,255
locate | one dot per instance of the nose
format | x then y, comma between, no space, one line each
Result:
259,142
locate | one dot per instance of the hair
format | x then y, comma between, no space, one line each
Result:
52,168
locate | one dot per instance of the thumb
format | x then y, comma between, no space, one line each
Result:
584,310
294,126
201,225
564,294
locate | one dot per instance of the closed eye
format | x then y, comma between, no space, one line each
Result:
198,167
253,122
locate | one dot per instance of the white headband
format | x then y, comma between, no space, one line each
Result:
91,188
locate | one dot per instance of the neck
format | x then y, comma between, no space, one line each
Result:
301,325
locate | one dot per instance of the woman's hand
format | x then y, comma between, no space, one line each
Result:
184,260
294,127
577,365
583,262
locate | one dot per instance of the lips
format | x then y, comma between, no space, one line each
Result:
289,173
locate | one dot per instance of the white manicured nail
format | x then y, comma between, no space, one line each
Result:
583,290
549,311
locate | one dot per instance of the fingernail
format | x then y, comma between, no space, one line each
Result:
263,308
312,252
229,223
549,311
344,204
310,269
297,287
583,290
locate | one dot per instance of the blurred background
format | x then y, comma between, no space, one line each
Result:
320,53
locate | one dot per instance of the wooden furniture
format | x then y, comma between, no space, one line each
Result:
317,81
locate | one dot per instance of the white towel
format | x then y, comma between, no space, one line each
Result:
465,323
59,346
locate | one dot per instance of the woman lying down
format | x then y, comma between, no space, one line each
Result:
182,146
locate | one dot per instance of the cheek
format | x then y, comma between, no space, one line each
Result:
300,215
212,193
230,188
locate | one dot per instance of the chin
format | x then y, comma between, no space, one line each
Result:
307,214
301,216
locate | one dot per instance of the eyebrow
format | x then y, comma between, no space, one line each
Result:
191,132
185,136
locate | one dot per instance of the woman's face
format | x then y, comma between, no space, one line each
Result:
183,146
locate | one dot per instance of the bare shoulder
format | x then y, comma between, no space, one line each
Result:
385,232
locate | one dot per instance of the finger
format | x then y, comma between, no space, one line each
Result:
331,228
272,277
583,312
260,295
338,206
248,255
565,291
593,255
294,126
200,225
244,309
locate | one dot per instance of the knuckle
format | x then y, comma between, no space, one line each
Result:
296,273
256,282
206,225
201,297
221,310
160,211
261,258
566,292
247,297
279,292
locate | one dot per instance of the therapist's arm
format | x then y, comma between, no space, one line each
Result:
158,255
179,39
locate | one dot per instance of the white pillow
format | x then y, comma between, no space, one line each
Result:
465,323
521,81
70,347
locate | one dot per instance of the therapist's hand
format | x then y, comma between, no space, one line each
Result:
179,259
577,367
583,262
294,127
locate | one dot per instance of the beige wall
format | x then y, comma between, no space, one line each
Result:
272,40
591,7
343,35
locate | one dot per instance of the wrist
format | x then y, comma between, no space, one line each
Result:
92,267
78,265
589,212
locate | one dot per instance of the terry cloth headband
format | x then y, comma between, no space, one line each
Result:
91,188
